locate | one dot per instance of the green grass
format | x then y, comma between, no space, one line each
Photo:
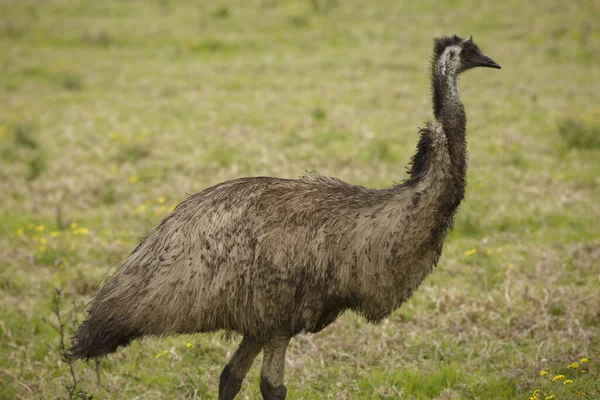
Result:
578,134
112,112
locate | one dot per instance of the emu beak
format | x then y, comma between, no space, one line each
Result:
484,61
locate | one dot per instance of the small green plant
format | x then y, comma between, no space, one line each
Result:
24,136
577,134
319,114
71,81
559,32
221,12
109,194
553,52
212,45
74,391
557,309
299,21
37,164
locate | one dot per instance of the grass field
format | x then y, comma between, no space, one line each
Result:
112,112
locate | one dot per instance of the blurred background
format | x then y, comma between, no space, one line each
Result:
113,112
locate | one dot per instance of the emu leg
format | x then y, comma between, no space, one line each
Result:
271,373
238,366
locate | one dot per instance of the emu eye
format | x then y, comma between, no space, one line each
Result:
468,54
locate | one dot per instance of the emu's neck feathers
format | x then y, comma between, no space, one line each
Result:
438,169
444,74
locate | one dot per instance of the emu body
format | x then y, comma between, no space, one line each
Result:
270,258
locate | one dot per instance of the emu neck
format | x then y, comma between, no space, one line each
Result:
450,113
447,107
438,168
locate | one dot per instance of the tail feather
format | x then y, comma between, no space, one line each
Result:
95,338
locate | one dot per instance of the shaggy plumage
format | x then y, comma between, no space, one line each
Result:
271,258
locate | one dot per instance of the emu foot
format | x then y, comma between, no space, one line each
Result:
229,384
272,393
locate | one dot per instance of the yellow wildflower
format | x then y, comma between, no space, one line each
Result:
543,372
43,241
511,266
140,209
162,353
584,360
81,231
567,381
470,252
55,233
575,365
552,396
40,228
119,137
188,345
583,371
161,200
133,178
535,395
558,377
73,225
20,231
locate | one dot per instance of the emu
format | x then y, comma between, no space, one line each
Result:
270,258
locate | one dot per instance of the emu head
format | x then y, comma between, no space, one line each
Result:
453,55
